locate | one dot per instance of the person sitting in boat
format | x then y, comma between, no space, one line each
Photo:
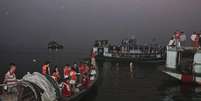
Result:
76,68
46,69
172,42
10,78
66,88
85,81
56,74
73,78
81,70
66,71
92,73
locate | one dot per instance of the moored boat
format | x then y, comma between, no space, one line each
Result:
128,50
184,64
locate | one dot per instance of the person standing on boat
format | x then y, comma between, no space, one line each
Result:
172,42
195,38
46,69
66,71
10,78
73,78
66,88
56,74
177,37
92,72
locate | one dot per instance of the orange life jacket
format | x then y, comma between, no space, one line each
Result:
66,71
73,75
178,34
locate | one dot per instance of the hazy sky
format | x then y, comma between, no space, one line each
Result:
32,23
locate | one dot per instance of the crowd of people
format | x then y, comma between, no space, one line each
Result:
178,37
70,79
75,76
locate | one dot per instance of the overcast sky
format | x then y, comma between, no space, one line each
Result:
77,23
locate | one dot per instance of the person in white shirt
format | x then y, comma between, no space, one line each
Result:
172,42
10,78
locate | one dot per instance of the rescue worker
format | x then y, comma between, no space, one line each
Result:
10,78
66,88
56,74
66,71
46,69
73,78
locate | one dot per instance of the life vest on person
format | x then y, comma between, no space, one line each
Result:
66,72
45,70
177,35
81,68
73,75
93,55
10,78
66,90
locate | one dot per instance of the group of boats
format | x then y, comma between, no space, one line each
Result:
182,63
128,50
38,87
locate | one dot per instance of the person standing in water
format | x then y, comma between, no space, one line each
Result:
10,78
131,66
93,58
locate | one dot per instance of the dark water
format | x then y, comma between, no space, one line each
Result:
116,83
146,83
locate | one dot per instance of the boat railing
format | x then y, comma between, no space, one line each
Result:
18,91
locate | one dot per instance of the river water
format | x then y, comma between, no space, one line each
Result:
115,83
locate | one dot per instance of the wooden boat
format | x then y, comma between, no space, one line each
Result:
37,87
128,50
183,64
84,92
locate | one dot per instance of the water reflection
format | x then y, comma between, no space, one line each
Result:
184,92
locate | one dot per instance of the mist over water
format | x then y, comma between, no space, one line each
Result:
26,27
77,23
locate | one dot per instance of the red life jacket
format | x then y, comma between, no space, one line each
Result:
93,55
81,68
73,75
178,34
66,71
66,90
